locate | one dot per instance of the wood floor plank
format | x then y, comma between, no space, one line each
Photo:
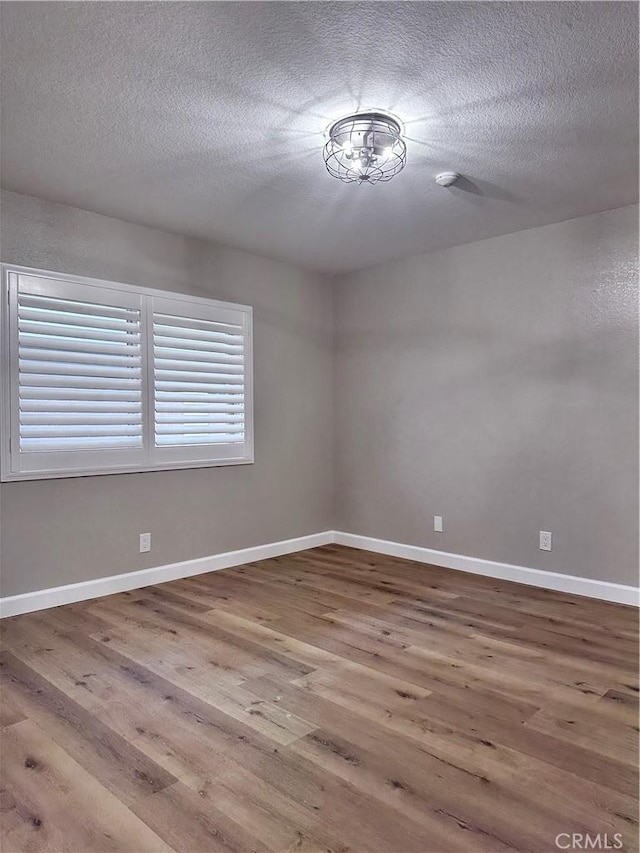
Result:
232,651
10,710
280,823
51,803
180,813
582,727
464,752
114,762
331,700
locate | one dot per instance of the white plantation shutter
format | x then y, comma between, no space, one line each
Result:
76,379
200,358
79,375
101,377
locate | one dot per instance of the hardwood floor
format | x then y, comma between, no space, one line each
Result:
331,700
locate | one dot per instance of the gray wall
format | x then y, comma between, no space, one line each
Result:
496,384
61,531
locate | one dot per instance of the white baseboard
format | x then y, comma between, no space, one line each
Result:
616,592
42,599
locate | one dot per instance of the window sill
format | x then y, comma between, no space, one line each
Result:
124,469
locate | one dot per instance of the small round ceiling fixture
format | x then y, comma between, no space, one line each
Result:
365,148
447,179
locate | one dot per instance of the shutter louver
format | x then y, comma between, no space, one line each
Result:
199,381
79,375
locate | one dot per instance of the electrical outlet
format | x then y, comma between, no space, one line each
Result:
545,540
437,523
145,542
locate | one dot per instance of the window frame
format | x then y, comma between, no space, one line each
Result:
10,468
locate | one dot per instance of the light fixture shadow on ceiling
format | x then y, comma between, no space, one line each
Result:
413,83
283,156
464,139
438,94
238,93
292,180
460,143
531,94
195,165
445,149
340,203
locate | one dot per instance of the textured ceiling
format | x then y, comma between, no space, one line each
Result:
208,118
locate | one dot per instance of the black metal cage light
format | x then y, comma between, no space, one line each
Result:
365,148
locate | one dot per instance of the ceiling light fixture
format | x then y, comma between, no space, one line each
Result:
365,148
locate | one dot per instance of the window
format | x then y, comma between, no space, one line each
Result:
101,377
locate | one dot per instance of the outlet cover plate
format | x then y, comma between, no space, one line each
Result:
545,540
